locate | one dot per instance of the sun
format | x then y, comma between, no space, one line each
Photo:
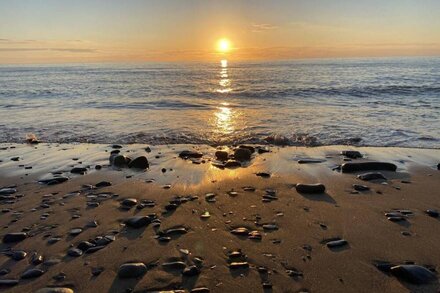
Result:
223,45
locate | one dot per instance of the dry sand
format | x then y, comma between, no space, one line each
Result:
293,258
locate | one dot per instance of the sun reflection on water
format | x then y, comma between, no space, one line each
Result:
225,82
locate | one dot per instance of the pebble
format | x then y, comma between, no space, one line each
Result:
263,174
129,202
7,191
239,265
103,184
432,213
8,282
310,161
242,154
352,154
32,273
240,231
54,180
221,155
75,231
174,265
359,187
74,252
366,166
336,243
190,154
310,188
78,170
200,290
138,221
191,271
139,163
14,237
18,255
414,274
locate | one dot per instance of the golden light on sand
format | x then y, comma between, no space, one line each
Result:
223,46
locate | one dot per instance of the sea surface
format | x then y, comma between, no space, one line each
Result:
373,102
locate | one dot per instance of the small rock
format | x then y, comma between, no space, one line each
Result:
55,290
359,187
414,274
371,176
14,237
366,166
310,188
239,265
242,154
8,282
432,213
190,154
221,155
32,273
352,154
138,221
336,243
191,271
74,252
103,184
139,163
78,170
7,191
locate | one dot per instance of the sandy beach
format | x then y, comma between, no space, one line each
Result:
191,223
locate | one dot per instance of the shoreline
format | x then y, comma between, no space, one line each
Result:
195,206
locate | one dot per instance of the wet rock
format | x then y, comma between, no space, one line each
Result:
7,191
255,235
119,160
310,161
263,174
270,227
85,245
310,188
352,154
18,255
102,184
174,265
336,243
74,252
239,265
240,231
139,163
359,187
132,270
78,170
75,231
14,237
55,290
190,154
191,271
242,154
414,274
371,176
433,213
32,273
200,290
94,249
8,282
138,221
128,202
221,155
116,146
367,166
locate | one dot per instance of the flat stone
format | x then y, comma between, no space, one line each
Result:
367,166
8,282
190,154
139,163
232,164
336,243
310,161
310,188
239,265
74,252
138,221
129,202
240,231
221,155
32,273
242,154
7,191
432,213
359,187
54,180
414,274
103,184
75,231
14,237
18,255
78,170
174,265
132,270
191,271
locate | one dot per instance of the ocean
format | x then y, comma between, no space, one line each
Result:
368,102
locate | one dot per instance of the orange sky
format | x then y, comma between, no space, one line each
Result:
54,31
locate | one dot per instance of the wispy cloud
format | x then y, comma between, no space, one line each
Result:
262,27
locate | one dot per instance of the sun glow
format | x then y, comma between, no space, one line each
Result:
223,45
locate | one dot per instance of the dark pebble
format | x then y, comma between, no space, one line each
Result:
352,154
103,184
78,170
139,163
310,188
371,176
14,237
432,213
242,154
359,187
221,155
190,154
138,221
32,273
414,274
367,166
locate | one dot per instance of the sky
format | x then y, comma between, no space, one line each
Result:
57,31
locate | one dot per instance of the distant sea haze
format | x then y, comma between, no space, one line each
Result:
374,102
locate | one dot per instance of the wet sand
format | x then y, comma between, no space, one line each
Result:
210,214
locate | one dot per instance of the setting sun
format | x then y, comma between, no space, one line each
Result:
223,45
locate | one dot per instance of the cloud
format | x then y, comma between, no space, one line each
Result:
262,27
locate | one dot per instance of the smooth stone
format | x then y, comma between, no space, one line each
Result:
75,231
270,227
371,176
119,160
263,174
138,221
18,255
176,231
255,235
242,154
116,146
8,282
7,191
367,166
129,202
175,265
309,161
139,163
190,154
240,231
239,265
221,155
32,273
103,184
438,166
432,213
74,252
413,274
94,249
191,271
132,270
310,188
336,243
55,290
200,290
14,237
359,187
85,245
352,154
78,170
248,147
36,258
